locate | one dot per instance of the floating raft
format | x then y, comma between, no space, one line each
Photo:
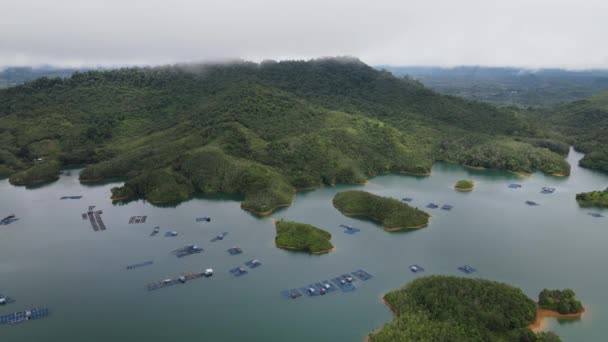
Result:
141,264
70,197
181,279
547,190
345,283
416,268
171,234
203,219
514,186
8,220
467,269
596,214
235,250
187,250
23,316
137,219
432,206
292,294
95,219
531,203
238,271
348,229
407,199
253,263
91,207
362,275
6,300
447,207
155,231
219,237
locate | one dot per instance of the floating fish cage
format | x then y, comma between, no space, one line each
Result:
447,207
6,300
467,269
203,219
547,190
155,231
432,206
253,263
187,250
238,271
596,214
416,268
362,275
219,237
345,282
532,203
171,234
292,294
70,197
407,199
235,250
137,219
23,316
140,264
514,186
348,229
181,279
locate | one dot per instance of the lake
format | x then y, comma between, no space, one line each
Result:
52,258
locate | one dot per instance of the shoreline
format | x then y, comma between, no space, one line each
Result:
415,173
464,189
390,229
33,182
542,314
305,250
519,173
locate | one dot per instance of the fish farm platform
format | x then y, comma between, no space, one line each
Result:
432,206
95,219
203,219
187,250
219,237
416,268
23,316
70,197
467,269
7,299
253,263
140,264
181,279
235,250
137,219
238,271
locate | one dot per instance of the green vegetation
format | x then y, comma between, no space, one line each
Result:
464,185
593,199
446,308
301,236
393,214
39,173
257,130
584,124
563,302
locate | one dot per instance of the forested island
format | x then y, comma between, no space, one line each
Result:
391,213
563,301
260,131
303,237
464,185
593,199
447,308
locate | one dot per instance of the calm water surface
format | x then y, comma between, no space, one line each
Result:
52,258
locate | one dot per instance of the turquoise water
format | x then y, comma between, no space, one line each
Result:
52,258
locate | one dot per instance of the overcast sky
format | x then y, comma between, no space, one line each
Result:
525,33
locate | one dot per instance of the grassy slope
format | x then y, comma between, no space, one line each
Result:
446,308
301,236
390,212
276,126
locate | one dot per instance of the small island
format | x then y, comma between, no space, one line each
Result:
40,173
448,308
303,237
393,214
557,304
464,185
593,199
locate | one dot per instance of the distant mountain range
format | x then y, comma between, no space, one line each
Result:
509,86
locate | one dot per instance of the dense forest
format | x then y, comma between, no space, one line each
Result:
303,237
593,199
564,301
392,213
447,308
260,131
584,124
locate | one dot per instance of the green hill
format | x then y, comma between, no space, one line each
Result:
258,130
584,123
301,236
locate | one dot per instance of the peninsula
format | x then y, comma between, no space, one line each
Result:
391,213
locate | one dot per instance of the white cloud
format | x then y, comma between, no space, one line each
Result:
532,33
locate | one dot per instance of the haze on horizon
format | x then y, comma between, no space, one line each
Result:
519,33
